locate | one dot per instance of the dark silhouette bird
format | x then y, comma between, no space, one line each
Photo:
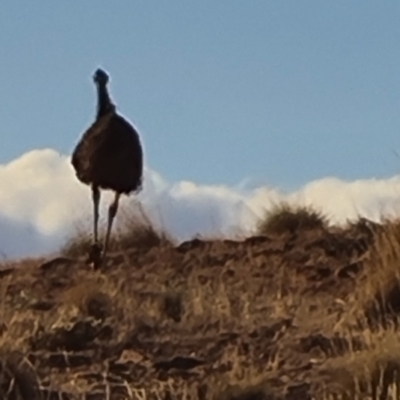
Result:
108,156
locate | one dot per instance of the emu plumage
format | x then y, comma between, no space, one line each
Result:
108,156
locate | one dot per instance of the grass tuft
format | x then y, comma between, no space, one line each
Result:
285,218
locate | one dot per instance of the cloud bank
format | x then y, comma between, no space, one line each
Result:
41,203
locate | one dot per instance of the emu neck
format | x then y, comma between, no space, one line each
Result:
104,103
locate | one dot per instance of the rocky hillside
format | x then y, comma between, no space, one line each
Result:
306,314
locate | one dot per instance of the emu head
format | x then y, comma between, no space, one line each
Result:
100,77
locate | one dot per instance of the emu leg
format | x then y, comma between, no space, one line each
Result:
95,251
96,202
112,212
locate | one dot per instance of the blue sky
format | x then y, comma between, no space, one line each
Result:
274,92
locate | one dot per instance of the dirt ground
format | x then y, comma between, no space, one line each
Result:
310,314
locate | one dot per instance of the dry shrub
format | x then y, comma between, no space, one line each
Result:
285,218
134,230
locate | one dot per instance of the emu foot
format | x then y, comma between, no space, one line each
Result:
94,257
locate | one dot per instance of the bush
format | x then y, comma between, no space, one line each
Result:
285,218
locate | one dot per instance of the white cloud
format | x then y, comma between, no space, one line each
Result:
41,201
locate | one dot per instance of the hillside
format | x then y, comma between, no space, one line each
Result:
305,314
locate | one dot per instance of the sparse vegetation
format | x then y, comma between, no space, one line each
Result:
285,218
134,231
217,319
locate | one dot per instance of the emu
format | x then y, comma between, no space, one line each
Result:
108,156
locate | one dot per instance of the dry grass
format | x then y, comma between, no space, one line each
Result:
215,319
372,315
377,298
374,371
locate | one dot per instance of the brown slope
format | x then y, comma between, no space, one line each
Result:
257,318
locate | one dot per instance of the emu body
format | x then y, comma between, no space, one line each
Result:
108,156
